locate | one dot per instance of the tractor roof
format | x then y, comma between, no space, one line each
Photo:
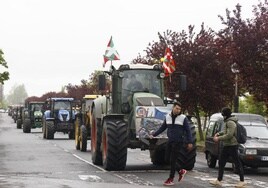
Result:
62,99
36,102
91,96
140,66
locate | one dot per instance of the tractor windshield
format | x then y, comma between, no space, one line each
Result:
140,81
37,107
62,105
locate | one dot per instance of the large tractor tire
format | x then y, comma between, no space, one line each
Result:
50,130
96,134
19,123
114,144
77,133
186,158
27,126
83,138
158,156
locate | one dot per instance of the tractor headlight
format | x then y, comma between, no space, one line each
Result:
125,108
251,152
121,74
162,75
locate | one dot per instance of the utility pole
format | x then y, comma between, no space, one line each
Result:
236,97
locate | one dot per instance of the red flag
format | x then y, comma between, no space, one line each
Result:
168,62
110,53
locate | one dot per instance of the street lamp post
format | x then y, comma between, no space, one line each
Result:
236,97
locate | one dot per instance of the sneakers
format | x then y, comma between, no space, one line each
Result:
240,184
182,173
215,182
169,182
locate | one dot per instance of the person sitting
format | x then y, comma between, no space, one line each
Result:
134,84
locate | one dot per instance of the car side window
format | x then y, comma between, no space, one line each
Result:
210,128
217,127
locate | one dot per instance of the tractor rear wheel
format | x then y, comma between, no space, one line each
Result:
83,138
187,158
158,156
96,131
114,144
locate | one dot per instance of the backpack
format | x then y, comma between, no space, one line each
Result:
241,133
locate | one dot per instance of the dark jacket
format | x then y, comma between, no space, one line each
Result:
176,125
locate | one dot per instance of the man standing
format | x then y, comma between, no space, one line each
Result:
229,149
175,123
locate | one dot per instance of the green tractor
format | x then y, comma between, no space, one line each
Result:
82,122
32,117
124,117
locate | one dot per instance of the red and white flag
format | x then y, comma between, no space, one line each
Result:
110,53
168,62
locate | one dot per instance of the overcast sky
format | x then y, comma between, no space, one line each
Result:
50,43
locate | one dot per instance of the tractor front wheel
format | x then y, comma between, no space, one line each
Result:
19,123
83,138
114,144
27,126
50,129
77,133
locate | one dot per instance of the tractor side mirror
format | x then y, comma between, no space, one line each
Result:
102,82
183,82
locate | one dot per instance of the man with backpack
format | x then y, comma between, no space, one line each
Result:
229,149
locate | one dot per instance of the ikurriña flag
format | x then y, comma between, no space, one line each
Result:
168,62
110,53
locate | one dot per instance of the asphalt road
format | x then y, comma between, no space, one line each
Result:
27,160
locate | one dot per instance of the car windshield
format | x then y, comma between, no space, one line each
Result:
252,118
257,132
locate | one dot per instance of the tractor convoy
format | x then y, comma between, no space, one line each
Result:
132,104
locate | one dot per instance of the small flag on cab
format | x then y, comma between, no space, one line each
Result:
110,54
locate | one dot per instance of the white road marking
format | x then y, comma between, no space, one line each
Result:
91,178
89,163
231,180
133,179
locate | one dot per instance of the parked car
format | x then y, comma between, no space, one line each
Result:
254,153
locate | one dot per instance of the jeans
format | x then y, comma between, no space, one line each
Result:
226,152
173,149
